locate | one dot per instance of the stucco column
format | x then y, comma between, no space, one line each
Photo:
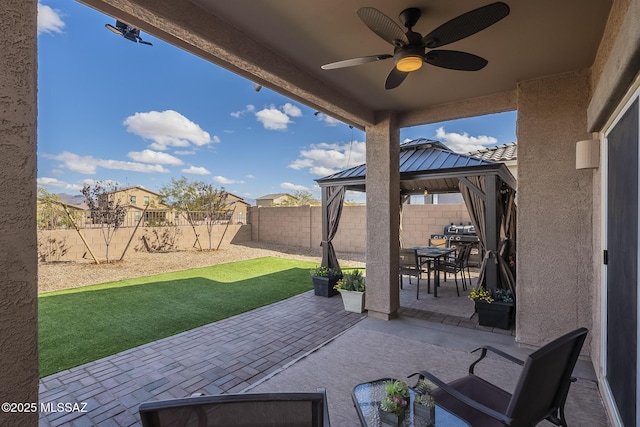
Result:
383,217
18,247
555,210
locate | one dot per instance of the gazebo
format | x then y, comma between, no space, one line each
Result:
487,187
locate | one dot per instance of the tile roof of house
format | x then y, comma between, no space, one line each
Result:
274,196
499,153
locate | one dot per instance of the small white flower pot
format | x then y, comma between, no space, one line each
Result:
353,301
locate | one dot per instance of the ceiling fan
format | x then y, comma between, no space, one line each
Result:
410,48
127,31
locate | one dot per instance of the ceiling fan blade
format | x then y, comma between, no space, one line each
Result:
355,61
144,42
466,25
113,29
454,60
395,78
382,25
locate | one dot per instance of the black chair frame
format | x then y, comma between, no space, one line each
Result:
540,394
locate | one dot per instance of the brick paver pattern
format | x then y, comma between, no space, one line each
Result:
223,357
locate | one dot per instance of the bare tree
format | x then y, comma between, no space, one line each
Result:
105,210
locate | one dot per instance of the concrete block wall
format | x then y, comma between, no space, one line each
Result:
302,226
184,240
419,222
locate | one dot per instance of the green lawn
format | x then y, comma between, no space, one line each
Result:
84,324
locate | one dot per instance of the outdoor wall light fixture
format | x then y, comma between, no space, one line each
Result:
588,154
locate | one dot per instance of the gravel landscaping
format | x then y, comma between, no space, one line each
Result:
55,276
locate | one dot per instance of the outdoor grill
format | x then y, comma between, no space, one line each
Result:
456,234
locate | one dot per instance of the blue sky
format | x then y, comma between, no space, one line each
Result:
113,110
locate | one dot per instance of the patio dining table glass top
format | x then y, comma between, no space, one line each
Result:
367,397
433,254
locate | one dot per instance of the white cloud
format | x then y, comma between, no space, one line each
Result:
196,170
226,181
131,166
56,183
49,20
248,109
150,156
89,164
273,119
250,176
167,129
462,142
291,110
325,159
328,120
184,152
294,187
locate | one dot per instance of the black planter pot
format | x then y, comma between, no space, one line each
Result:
323,286
495,314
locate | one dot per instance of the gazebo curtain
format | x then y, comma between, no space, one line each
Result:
335,199
506,226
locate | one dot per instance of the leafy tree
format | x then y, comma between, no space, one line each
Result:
105,209
198,201
51,213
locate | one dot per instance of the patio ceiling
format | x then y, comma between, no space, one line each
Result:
282,44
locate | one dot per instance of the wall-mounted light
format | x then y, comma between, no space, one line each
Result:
588,154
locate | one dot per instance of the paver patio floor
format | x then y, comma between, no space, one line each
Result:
297,344
225,356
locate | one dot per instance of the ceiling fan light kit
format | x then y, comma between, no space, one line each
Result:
408,60
410,47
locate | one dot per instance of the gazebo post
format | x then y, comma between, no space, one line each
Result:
325,226
491,228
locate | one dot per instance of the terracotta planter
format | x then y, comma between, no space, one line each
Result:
323,286
495,314
353,301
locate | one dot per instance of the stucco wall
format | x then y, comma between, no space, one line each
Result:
555,224
302,226
18,262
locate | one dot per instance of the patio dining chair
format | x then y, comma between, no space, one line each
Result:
455,266
540,393
239,410
410,266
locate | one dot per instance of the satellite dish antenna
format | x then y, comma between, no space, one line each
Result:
127,31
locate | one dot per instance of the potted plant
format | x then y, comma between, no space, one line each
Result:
324,279
352,288
494,310
393,407
424,406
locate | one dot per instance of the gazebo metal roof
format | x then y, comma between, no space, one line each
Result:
425,165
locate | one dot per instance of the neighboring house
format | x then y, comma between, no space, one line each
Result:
239,207
275,199
137,198
505,153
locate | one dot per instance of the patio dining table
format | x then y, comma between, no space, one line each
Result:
428,254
